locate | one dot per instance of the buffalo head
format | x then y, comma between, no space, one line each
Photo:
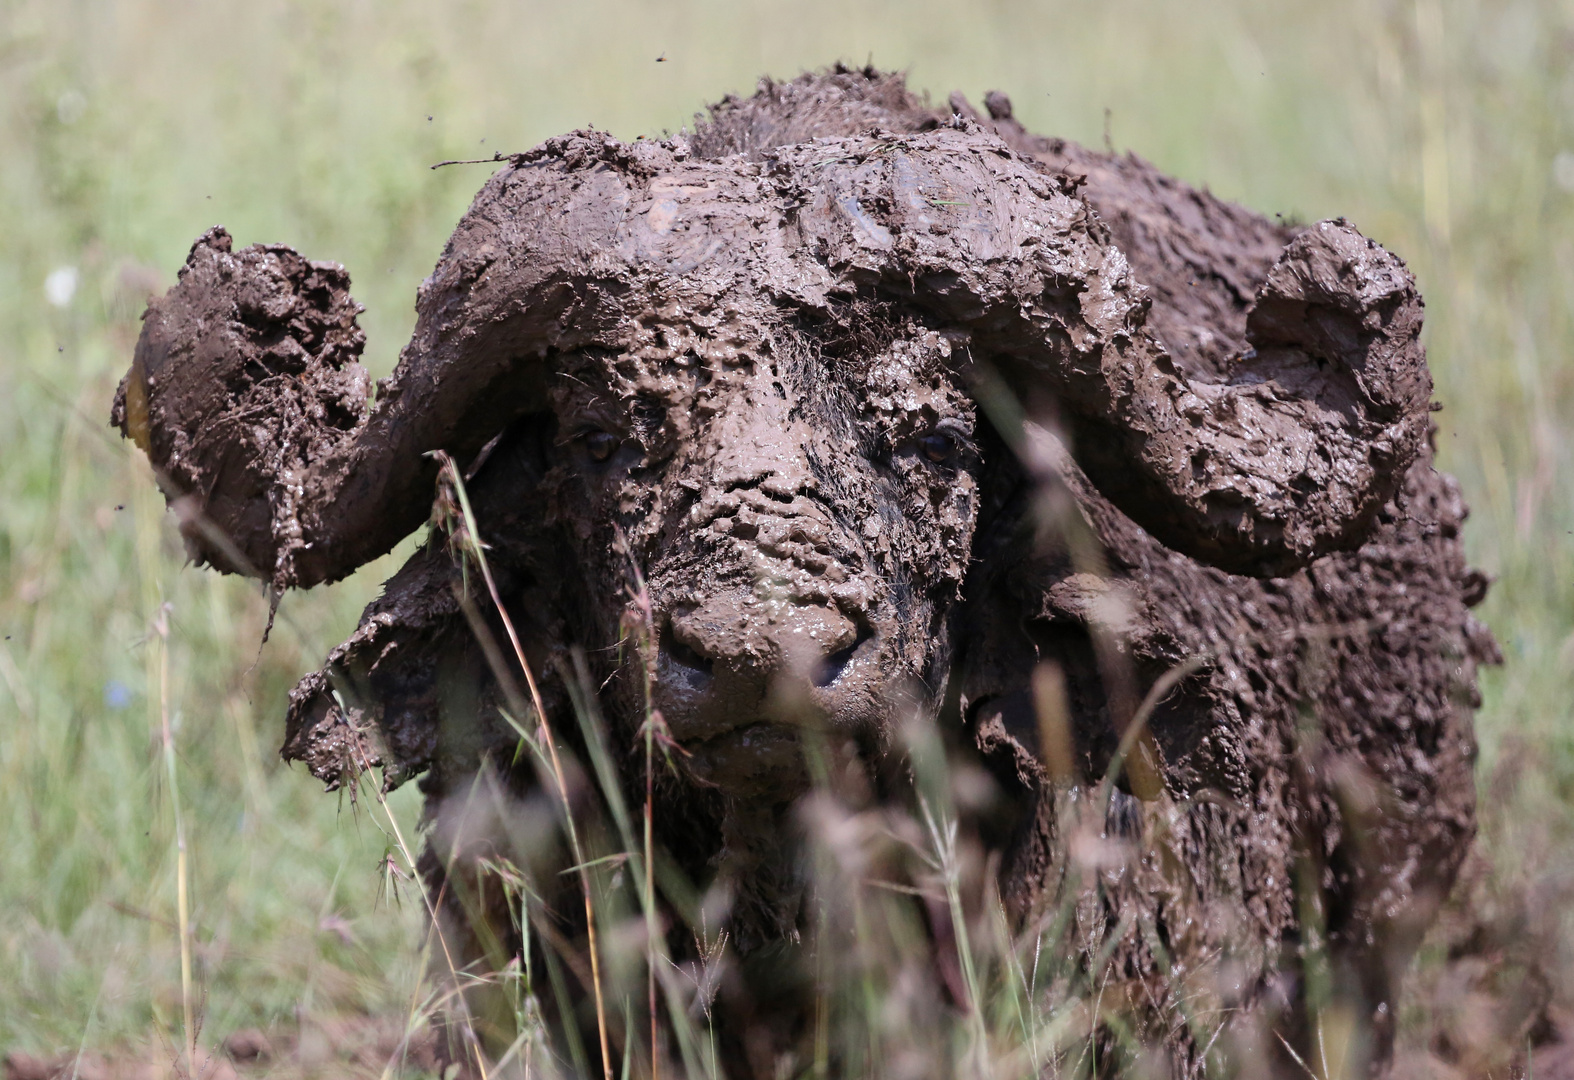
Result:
753,383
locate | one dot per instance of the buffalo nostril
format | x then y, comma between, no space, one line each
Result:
832,667
683,656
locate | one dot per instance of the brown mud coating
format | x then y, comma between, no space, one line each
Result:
894,409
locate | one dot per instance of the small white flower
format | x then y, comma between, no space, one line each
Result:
61,285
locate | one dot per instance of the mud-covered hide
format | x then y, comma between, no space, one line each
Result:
1321,751
1201,258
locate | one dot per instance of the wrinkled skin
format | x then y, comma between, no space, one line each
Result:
819,436
803,525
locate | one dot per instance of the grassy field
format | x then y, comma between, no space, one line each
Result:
1444,128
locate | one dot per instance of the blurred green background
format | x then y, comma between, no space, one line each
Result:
1443,128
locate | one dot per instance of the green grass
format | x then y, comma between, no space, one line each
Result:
127,128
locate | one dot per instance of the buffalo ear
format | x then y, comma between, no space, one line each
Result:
1060,644
1021,536
414,688
374,704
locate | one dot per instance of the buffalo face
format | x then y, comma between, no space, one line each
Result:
801,515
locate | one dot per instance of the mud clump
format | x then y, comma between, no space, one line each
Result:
245,382
846,410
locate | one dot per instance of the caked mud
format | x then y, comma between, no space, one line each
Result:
859,410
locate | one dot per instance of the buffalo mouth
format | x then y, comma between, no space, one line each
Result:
764,758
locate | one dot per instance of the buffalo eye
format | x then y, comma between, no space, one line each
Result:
937,446
600,444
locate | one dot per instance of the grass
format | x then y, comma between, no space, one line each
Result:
1444,128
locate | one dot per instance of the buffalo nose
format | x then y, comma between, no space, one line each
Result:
747,637
720,660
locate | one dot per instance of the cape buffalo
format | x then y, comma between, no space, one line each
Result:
843,410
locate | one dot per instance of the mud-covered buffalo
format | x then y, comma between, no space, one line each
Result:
842,411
